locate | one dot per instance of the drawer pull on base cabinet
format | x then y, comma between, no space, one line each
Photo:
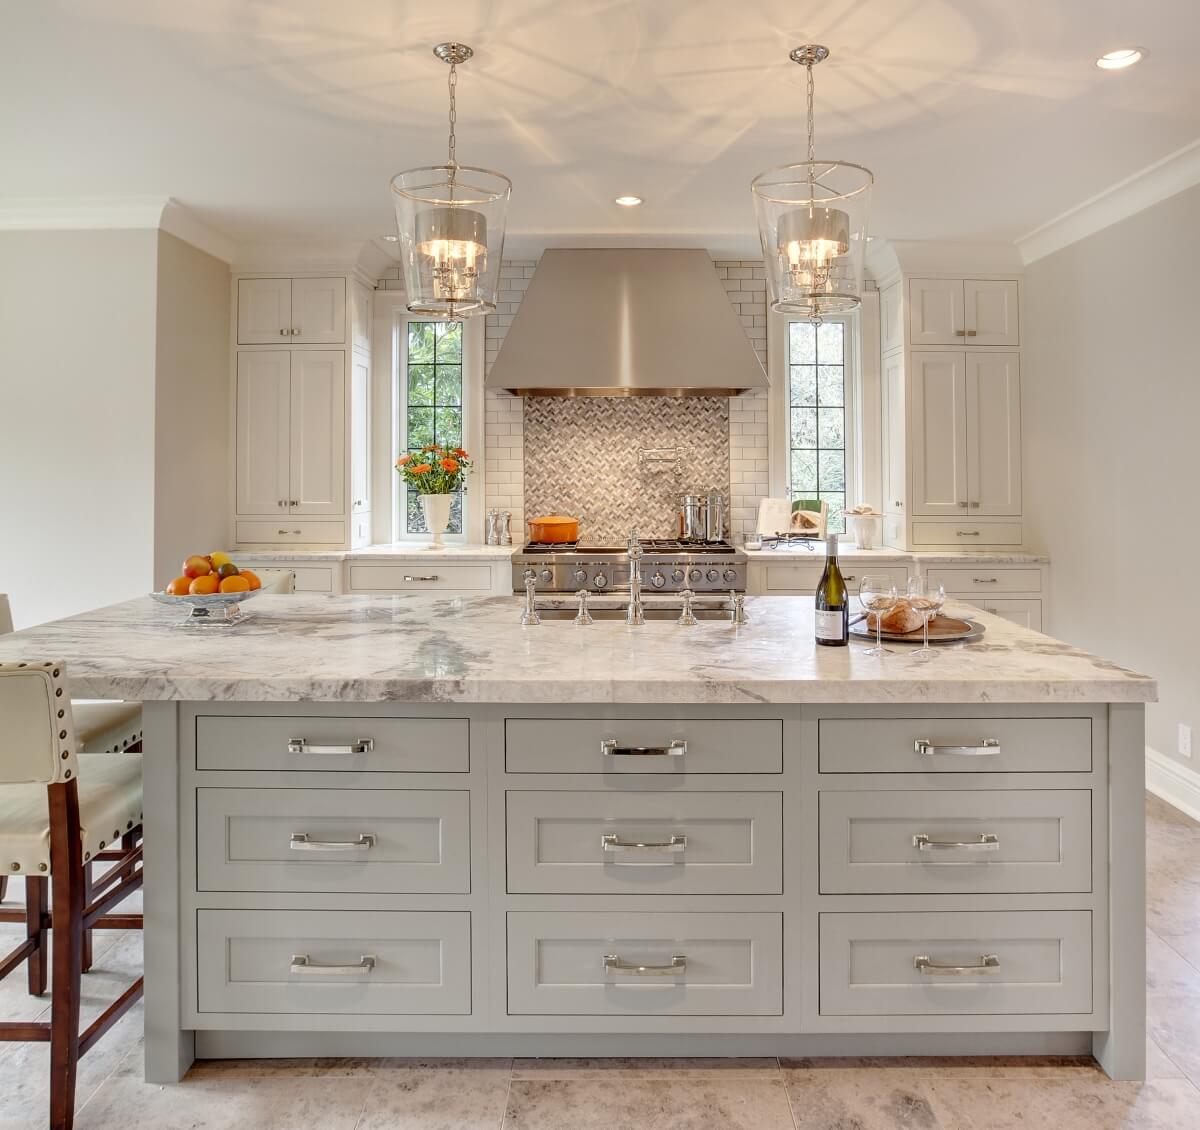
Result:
926,966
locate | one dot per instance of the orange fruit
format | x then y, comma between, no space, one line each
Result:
235,584
252,577
179,586
204,586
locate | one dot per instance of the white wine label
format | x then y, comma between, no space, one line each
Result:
829,625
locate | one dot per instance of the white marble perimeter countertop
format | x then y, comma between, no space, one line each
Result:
420,648
396,551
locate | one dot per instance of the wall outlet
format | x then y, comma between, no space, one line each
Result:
1185,740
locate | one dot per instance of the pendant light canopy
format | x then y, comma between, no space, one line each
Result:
450,219
812,221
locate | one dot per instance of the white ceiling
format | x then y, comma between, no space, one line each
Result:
282,119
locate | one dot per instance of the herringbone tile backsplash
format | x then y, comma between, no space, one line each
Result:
583,458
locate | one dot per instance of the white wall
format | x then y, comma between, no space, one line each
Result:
191,407
77,362
1111,400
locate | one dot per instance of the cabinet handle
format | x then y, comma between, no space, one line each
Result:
963,505
677,748
614,963
294,502
985,580
284,333
281,503
960,333
925,965
613,844
966,533
987,747
988,841
899,504
301,745
972,333
287,531
302,841
302,963
415,577
974,505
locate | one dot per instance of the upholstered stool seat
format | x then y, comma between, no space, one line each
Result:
110,804
107,727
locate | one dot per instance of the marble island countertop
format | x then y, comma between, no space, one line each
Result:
416,648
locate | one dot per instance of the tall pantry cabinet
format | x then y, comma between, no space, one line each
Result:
302,377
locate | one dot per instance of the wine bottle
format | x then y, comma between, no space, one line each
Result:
832,601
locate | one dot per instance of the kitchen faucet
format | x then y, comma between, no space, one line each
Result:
634,617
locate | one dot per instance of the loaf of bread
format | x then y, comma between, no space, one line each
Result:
900,618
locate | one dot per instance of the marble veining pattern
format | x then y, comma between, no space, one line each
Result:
417,648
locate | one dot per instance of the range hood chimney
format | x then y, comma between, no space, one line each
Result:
626,322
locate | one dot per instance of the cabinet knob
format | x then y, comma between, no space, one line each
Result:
284,333
972,333
296,332
293,502
960,333
974,504
964,505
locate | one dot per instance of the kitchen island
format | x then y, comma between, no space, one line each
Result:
408,826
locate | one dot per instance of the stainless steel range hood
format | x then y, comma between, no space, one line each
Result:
626,322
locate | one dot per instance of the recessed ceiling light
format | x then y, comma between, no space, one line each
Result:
1120,59
628,201
392,238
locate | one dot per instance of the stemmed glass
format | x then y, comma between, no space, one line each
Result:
926,599
877,595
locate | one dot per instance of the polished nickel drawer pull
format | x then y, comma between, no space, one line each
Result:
987,747
676,845
967,533
988,841
302,841
986,580
301,745
302,963
677,748
431,577
925,965
614,963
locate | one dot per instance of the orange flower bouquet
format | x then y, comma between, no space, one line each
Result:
435,469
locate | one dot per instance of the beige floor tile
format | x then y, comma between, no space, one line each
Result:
862,1100
622,1103
1159,1065
1174,1024
674,1068
467,1094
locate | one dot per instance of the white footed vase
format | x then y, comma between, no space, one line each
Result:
436,508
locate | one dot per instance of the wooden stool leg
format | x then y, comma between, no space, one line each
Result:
86,953
66,876
35,918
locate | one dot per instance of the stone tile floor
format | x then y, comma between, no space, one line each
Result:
567,1094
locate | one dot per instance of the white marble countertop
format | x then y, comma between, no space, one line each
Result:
396,551
419,648
886,556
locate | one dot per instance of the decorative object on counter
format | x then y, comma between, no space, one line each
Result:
691,518
797,518
832,601
556,529
506,528
942,630
753,542
436,473
863,521
492,536
812,223
877,595
450,220
714,516
927,599
213,587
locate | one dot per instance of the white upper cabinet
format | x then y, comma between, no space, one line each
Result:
318,432
293,311
360,435
891,313
993,437
895,488
360,317
938,434
958,312
990,307
263,432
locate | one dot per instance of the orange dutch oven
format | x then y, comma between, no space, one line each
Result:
554,528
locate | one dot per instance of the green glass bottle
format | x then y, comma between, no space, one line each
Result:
832,601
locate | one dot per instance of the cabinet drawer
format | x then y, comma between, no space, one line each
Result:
377,841
314,579
1023,613
984,580
1014,842
965,534
375,745
295,531
562,963
645,843
267,961
420,576
643,745
889,745
1040,962
804,578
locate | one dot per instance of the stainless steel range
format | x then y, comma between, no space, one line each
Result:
666,566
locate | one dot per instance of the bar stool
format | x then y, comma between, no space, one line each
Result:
60,811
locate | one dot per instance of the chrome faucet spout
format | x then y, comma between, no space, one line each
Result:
634,615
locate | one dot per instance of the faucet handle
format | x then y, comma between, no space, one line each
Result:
530,617
583,617
739,607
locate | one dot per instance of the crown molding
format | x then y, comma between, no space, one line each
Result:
179,221
1173,174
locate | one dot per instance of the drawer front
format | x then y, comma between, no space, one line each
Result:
420,576
986,580
360,745
584,964
643,745
375,841
645,843
804,578
385,962
966,534
295,531
958,745
314,579
1012,842
1023,613
1039,962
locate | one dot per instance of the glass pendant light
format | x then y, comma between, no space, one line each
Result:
812,221
450,220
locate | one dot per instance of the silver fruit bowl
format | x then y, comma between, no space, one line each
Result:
218,608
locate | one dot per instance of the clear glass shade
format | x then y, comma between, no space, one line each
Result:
450,220
812,221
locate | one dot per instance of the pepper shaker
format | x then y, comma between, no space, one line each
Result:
493,526
506,528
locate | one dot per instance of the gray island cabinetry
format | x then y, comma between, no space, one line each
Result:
397,825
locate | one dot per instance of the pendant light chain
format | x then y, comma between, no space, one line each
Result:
812,144
451,84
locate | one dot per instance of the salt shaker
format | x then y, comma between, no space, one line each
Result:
493,526
506,528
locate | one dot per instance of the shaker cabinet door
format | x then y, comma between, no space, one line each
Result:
991,311
935,312
319,311
938,434
264,312
360,435
262,431
993,404
318,432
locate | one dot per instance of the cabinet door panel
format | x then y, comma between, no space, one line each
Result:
360,435
891,310
319,311
991,311
935,312
895,479
263,395
993,385
318,448
360,317
938,434
264,311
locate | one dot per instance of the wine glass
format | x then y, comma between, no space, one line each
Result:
926,599
877,594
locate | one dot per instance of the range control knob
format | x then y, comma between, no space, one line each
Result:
677,576
546,575
731,575
695,575
713,575
600,581
581,576
658,580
